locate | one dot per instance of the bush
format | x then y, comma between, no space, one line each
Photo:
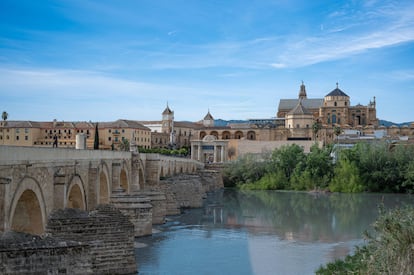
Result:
346,178
390,249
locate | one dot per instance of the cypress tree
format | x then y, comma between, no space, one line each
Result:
96,140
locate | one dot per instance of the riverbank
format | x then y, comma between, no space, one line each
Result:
390,249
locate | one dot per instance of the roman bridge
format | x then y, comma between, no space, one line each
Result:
36,181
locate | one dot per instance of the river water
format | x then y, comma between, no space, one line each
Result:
261,232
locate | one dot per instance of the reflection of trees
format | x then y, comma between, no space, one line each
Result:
305,216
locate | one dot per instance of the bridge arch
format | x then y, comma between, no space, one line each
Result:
124,176
162,171
141,175
123,180
103,187
28,209
76,194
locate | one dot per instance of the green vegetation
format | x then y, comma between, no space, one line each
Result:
390,250
376,167
96,138
164,151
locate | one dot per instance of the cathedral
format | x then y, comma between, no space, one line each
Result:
300,120
333,110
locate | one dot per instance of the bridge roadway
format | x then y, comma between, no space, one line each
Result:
35,181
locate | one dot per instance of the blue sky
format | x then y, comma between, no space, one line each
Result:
107,59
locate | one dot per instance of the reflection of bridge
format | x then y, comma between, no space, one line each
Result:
35,181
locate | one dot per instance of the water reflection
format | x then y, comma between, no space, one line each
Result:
262,232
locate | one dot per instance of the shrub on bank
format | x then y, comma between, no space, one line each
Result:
377,167
390,249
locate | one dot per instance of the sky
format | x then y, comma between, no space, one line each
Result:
103,60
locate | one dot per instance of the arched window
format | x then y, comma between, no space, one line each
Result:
333,119
251,135
335,104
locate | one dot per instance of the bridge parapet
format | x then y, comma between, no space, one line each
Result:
18,154
158,166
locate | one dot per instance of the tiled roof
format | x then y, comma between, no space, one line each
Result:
337,92
208,116
20,124
299,110
123,123
308,103
167,111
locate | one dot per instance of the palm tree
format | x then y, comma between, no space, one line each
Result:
316,126
337,131
4,115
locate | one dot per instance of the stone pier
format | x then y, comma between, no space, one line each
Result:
106,231
138,209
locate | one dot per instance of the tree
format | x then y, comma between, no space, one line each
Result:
286,158
124,145
96,140
316,126
337,131
4,115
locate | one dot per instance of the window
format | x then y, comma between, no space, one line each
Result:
123,130
109,138
335,104
109,130
17,130
17,137
333,119
26,138
26,130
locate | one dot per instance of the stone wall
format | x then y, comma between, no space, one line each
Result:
138,209
189,190
22,253
108,233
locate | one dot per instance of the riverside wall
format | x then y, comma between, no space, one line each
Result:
189,190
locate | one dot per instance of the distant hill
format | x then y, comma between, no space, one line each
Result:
387,123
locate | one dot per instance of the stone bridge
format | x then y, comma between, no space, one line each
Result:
36,181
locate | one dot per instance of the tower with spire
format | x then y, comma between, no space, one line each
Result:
302,92
168,123
208,120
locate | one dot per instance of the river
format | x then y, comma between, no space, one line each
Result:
261,232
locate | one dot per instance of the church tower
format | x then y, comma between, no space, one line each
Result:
208,120
168,123
302,91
